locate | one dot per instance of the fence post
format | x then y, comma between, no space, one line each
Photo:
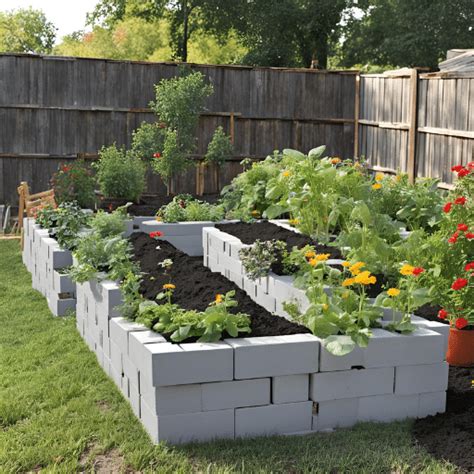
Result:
356,115
411,165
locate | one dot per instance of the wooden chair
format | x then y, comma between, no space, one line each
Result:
28,203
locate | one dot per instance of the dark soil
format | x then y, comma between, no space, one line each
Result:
148,205
430,312
249,233
450,435
197,286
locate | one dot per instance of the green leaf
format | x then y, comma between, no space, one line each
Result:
317,152
293,153
274,211
339,345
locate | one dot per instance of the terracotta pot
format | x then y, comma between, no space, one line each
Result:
460,348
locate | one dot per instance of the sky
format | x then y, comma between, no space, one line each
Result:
67,15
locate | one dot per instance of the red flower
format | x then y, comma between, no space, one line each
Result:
156,234
111,207
442,314
463,172
469,266
461,323
460,200
459,284
454,238
447,207
457,168
462,227
66,168
418,270
470,165
156,155
469,235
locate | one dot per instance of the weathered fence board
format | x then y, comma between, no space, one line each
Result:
441,125
63,107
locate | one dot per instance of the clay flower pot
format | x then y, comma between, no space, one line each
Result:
460,348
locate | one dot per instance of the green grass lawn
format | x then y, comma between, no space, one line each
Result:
60,413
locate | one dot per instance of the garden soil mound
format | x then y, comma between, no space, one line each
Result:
197,286
450,435
249,233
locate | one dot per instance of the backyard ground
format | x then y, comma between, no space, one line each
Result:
60,413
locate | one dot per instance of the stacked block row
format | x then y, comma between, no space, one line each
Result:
221,255
46,261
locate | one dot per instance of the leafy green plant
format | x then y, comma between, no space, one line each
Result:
178,103
247,192
342,317
184,208
103,252
258,259
207,326
148,140
74,182
418,205
65,223
120,174
220,148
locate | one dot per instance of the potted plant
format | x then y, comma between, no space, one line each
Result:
459,310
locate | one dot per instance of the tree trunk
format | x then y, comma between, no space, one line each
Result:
184,55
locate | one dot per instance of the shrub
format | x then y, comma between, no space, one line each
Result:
74,182
220,148
147,140
185,208
120,174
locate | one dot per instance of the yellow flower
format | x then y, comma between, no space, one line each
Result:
310,254
286,173
293,221
313,262
407,270
346,264
365,278
355,269
376,186
335,160
345,295
322,257
169,286
325,307
158,219
398,178
379,176
255,213
393,292
219,298
348,282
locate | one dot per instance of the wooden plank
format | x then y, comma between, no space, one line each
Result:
446,132
356,115
411,158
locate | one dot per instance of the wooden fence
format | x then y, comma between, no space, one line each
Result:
54,109
419,123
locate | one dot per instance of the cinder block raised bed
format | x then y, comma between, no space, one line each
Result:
258,386
44,259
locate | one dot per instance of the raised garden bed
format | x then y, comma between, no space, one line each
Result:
260,385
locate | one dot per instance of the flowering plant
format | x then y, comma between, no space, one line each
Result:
258,259
405,298
458,307
74,182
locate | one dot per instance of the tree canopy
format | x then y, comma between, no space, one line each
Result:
26,31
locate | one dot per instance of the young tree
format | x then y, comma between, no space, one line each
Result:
26,31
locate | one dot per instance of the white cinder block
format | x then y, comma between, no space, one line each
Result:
172,400
184,428
134,399
276,355
111,299
290,388
387,349
234,394
336,414
388,407
116,358
116,376
120,328
351,383
431,404
412,379
125,387
62,283
60,258
130,370
250,287
173,364
433,326
273,419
